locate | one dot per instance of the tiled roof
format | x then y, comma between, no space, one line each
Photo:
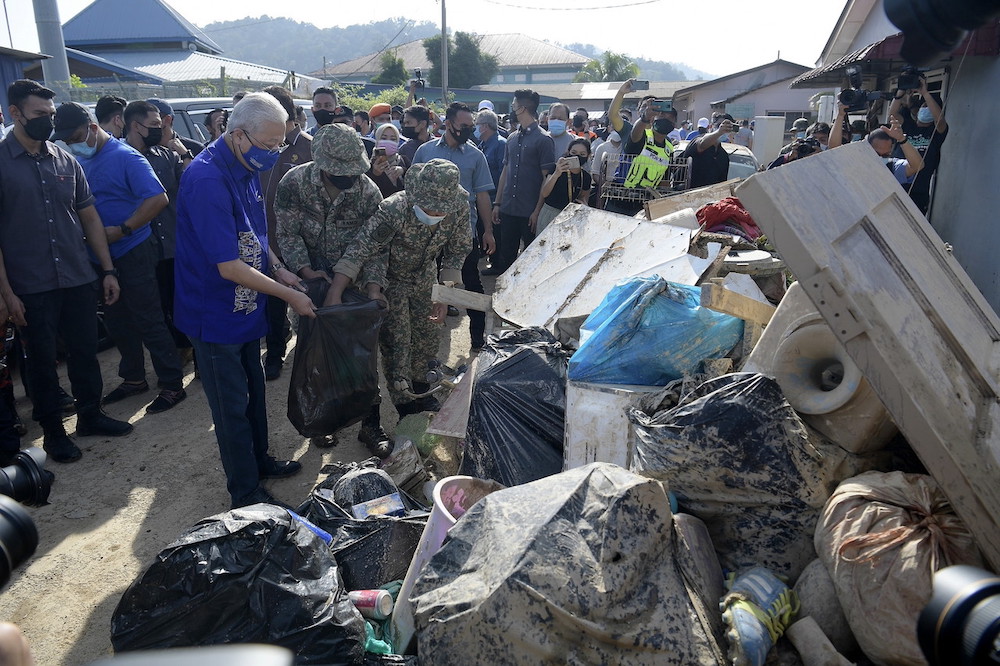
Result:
510,50
107,22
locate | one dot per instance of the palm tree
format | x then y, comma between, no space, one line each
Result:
611,67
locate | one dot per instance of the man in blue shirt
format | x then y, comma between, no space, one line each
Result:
128,196
454,146
223,268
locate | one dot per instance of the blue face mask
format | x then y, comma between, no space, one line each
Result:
476,133
425,218
260,159
557,127
82,149
925,116
856,137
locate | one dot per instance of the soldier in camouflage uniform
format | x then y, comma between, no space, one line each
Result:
408,232
320,208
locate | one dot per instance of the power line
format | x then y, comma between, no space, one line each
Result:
379,52
573,9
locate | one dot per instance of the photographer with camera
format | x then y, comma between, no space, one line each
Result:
927,129
796,149
884,140
709,160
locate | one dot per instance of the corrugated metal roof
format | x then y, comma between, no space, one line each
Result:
194,66
128,73
510,50
132,21
604,90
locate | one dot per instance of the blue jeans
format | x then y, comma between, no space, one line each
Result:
233,379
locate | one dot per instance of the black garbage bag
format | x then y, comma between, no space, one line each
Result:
518,414
736,455
335,373
370,552
583,567
250,575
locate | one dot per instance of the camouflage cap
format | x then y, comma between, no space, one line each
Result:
435,185
338,150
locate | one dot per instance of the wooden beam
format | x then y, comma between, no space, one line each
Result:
470,300
453,419
716,297
657,208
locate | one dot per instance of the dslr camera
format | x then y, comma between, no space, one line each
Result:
857,98
909,78
26,481
961,623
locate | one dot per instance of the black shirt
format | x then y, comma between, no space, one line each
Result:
168,168
708,167
41,237
928,142
559,197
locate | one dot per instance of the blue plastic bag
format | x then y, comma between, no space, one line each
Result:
649,332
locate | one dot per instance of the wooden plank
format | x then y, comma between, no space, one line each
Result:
905,310
696,198
453,419
470,300
720,299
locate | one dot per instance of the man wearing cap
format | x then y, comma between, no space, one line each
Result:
298,152
224,269
48,283
320,209
183,146
128,197
409,231
397,116
380,114
476,180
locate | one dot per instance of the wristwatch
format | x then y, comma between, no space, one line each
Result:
905,139
276,267
125,229
111,271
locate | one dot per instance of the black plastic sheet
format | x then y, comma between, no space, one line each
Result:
335,373
251,575
517,417
370,552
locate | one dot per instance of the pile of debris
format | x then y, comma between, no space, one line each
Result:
669,459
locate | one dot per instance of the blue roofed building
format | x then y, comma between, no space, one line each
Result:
148,43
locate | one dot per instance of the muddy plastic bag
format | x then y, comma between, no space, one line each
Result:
736,455
583,567
250,575
882,537
370,552
335,373
517,416
649,332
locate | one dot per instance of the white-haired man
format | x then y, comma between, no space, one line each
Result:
224,274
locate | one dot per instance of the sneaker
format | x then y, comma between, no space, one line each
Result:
125,390
453,311
376,440
323,441
259,496
756,610
166,400
61,448
66,402
279,469
99,423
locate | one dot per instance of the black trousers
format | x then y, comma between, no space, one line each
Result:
513,230
277,330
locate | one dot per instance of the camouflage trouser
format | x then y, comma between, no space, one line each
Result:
408,338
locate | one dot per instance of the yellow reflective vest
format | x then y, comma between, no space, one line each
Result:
649,166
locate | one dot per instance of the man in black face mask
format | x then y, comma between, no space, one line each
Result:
475,179
47,281
183,146
324,104
416,121
143,131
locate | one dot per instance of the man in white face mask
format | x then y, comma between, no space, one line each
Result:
407,233
927,129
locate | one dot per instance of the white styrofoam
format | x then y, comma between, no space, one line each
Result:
597,427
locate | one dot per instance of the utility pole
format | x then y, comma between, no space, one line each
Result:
444,57
55,70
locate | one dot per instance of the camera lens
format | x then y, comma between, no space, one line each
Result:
961,623
26,480
932,28
18,537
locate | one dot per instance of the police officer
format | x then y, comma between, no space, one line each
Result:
320,207
407,233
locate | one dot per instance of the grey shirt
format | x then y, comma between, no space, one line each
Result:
529,151
41,236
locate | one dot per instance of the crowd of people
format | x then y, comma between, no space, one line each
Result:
194,253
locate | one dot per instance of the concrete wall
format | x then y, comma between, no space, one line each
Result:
698,102
967,199
877,26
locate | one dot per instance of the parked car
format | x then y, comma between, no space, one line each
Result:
742,162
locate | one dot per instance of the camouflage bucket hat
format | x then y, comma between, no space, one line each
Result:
434,185
338,150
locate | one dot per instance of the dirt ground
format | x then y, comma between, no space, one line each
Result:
128,497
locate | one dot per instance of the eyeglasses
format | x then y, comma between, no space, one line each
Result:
274,151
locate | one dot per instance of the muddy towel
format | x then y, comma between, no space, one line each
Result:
736,455
518,412
251,575
583,567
